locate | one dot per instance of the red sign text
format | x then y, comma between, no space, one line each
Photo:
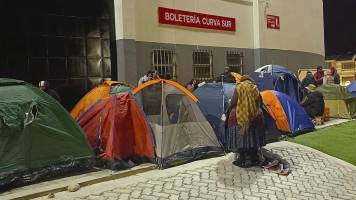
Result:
196,20
273,22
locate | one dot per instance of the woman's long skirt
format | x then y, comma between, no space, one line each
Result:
253,137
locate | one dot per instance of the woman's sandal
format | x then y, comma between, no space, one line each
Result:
271,165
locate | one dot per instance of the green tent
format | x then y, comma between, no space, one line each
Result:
38,138
339,101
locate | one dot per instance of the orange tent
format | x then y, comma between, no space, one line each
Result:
276,110
172,83
99,92
116,128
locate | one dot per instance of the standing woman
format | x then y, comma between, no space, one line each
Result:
246,134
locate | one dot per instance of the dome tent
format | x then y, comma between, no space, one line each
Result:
103,90
213,101
180,130
339,101
278,78
288,115
352,88
118,132
38,138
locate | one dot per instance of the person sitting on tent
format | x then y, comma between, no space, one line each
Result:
192,85
245,123
45,86
313,103
146,77
226,76
318,76
335,75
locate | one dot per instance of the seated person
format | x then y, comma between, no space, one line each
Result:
313,103
226,76
309,79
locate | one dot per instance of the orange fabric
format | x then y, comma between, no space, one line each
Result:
148,83
99,92
122,128
276,110
172,83
326,114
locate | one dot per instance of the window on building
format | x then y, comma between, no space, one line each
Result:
163,61
348,66
234,60
203,65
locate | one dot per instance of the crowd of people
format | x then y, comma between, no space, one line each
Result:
313,102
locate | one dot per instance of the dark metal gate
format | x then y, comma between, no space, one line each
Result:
68,42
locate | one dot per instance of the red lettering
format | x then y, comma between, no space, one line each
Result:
197,20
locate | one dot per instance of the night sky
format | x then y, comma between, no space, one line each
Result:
340,26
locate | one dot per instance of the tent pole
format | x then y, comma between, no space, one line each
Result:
162,125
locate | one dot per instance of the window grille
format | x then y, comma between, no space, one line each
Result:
203,65
163,61
234,60
348,66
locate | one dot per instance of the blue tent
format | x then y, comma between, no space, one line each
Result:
278,78
352,88
298,120
213,102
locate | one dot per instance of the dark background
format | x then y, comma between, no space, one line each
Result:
68,42
340,26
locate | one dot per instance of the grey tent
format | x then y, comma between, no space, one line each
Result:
180,130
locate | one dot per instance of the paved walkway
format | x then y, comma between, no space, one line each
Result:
314,176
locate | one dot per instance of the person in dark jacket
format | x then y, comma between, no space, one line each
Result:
44,86
313,103
226,76
335,75
309,79
319,75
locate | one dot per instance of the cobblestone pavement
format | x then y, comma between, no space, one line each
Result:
314,176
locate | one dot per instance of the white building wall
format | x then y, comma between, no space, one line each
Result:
301,21
141,22
298,43
302,25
